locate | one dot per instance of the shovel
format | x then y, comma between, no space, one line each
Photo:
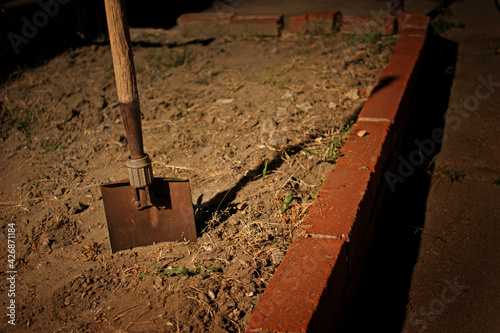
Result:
145,210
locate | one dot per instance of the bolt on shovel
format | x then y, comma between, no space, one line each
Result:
145,210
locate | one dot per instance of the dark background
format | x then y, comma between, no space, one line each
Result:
76,23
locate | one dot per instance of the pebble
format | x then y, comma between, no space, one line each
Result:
207,248
352,94
268,126
361,133
277,256
58,191
241,206
277,139
306,107
68,300
224,101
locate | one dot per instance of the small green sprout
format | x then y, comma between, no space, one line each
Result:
186,272
284,206
265,170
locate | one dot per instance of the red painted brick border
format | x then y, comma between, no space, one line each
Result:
323,259
258,24
326,20
322,20
315,282
234,23
200,17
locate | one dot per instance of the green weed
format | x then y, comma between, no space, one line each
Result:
441,24
310,151
170,59
265,77
378,47
416,229
334,147
369,37
268,76
452,173
51,148
184,271
495,48
286,204
207,78
317,30
497,181
24,125
449,173
264,172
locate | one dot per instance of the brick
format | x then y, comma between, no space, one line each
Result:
414,32
323,20
385,101
358,24
343,204
401,20
414,20
258,24
197,17
298,24
306,289
368,152
407,20
410,44
400,70
204,24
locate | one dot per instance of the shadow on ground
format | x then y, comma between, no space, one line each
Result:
222,204
35,32
383,294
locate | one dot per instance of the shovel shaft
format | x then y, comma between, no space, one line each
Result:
131,115
121,50
126,83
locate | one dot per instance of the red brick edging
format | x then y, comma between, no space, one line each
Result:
321,271
233,23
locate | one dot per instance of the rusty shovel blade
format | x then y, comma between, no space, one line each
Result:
167,216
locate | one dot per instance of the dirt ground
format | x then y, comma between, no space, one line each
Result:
249,121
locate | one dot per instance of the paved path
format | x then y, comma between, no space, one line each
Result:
460,244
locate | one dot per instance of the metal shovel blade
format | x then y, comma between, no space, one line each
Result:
169,216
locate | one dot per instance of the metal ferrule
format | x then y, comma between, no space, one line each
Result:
140,171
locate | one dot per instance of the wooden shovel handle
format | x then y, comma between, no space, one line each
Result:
121,50
126,83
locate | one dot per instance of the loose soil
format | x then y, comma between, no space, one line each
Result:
249,121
